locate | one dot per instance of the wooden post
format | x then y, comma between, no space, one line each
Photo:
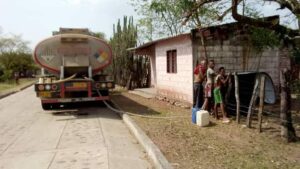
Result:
237,97
283,106
261,101
252,102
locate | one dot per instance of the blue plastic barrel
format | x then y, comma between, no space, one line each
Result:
194,113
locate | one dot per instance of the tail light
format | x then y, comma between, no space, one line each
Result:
48,87
109,85
103,85
54,87
41,87
97,85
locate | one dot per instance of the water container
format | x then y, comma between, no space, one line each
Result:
194,113
202,118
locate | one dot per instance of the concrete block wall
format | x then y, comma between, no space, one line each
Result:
175,85
235,58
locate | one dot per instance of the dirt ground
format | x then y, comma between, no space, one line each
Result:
232,145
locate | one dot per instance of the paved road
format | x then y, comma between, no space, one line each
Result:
31,138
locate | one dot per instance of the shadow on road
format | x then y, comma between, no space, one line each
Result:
132,106
84,110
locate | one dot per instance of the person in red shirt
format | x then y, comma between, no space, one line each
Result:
199,76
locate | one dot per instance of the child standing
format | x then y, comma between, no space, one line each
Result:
219,100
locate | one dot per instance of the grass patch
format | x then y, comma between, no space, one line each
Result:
11,85
219,146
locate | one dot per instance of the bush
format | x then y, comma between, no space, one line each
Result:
7,75
1,72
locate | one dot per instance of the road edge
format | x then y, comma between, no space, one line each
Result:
16,90
154,153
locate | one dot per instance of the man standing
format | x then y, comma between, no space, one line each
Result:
210,74
199,76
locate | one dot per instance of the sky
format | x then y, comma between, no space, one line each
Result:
36,19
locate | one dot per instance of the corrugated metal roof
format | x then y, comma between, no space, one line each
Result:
156,41
196,29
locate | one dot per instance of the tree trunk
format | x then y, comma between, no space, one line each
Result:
287,130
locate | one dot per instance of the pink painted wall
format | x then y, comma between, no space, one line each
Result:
179,85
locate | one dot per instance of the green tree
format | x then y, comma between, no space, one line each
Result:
100,35
128,69
13,43
15,56
160,18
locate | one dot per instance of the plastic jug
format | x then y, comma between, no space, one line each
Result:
194,114
202,118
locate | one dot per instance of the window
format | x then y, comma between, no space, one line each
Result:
172,61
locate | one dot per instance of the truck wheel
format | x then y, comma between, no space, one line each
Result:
47,106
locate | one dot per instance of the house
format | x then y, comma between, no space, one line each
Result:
174,58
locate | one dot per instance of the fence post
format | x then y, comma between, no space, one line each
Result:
261,101
237,97
252,102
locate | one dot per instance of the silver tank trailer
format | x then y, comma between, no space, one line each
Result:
73,53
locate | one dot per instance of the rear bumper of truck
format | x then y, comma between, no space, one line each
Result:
73,100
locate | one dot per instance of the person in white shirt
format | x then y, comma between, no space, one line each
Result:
210,74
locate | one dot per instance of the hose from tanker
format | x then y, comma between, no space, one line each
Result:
70,78
137,115
66,79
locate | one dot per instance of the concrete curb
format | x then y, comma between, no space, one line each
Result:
154,153
15,91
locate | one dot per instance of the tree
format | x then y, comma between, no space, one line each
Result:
160,18
100,35
13,43
232,8
129,70
15,56
123,38
164,17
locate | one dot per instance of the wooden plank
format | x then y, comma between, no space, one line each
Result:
252,102
237,97
261,101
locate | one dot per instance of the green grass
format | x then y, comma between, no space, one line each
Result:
11,85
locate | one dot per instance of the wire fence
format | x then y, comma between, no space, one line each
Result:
269,113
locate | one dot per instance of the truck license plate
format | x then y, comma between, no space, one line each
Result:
44,94
79,85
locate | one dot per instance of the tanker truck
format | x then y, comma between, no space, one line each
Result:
73,63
